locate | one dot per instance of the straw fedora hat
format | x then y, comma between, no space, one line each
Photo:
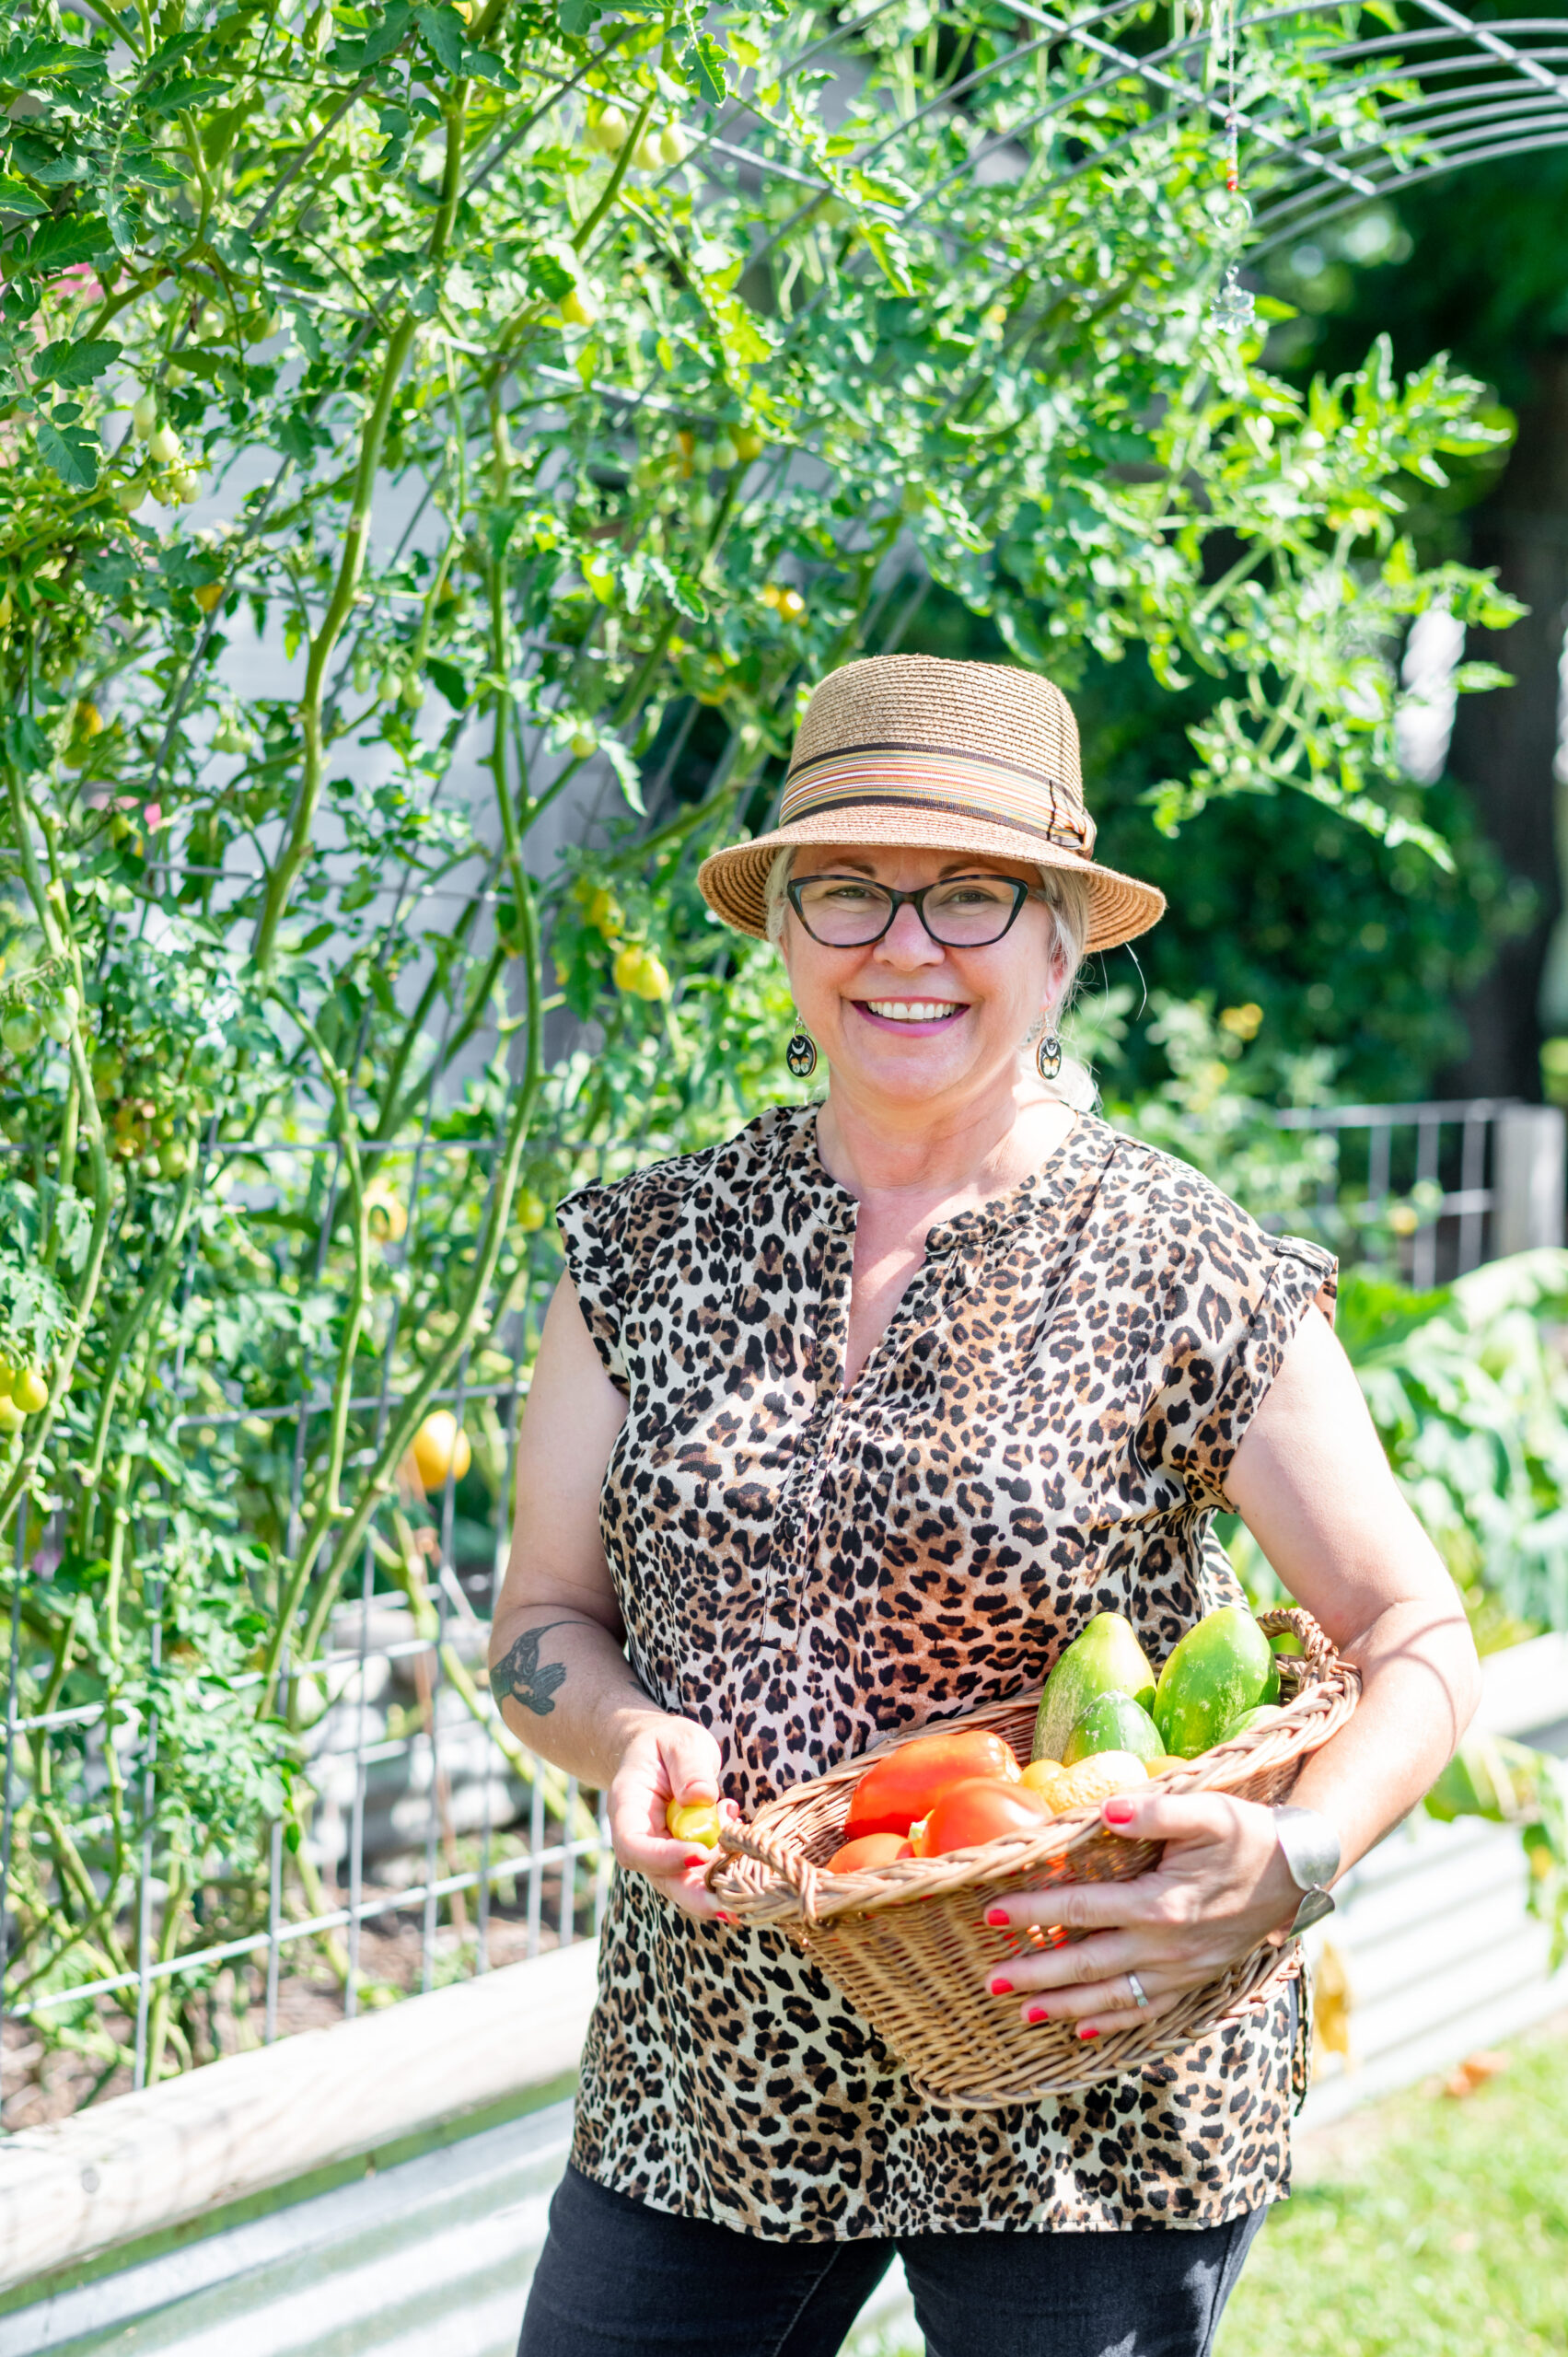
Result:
912,750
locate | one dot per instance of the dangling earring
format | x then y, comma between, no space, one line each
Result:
1048,1055
801,1054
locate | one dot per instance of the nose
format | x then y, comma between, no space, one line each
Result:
906,945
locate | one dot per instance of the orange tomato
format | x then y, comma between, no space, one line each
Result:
871,1850
895,1791
980,1809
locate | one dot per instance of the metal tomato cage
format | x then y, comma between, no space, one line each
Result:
1469,93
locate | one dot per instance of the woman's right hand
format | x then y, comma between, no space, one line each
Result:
666,1758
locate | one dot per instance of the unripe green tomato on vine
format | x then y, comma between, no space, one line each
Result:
578,307
163,445
58,1023
725,455
584,742
608,131
412,693
29,1389
128,496
530,1211
645,154
11,1417
143,417
673,143
21,1031
174,1158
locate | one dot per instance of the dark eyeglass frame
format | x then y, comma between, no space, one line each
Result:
916,900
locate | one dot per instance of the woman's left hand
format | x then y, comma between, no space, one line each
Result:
1221,1887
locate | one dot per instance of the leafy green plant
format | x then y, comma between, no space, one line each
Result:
387,389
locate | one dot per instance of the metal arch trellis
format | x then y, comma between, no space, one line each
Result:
1512,102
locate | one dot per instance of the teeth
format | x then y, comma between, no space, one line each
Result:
915,1010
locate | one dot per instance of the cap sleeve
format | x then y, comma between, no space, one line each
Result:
1224,1351
591,1221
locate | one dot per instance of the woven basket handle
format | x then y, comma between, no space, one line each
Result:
1315,1645
790,1866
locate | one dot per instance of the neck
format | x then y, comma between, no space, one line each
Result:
940,1153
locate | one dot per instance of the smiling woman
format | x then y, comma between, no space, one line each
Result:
853,1424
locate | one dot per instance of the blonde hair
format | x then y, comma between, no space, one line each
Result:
1067,898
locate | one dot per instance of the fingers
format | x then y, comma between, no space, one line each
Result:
690,1757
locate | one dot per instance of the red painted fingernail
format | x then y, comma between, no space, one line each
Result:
1118,1812
1036,2013
999,1916
1001,1988
722,1918
1088,2033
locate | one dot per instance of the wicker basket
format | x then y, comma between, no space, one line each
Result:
908,1946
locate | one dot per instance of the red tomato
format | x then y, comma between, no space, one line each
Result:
979,1810
871,1850
897,1790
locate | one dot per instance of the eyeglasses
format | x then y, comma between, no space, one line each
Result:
960,911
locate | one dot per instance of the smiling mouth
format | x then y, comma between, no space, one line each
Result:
912,1010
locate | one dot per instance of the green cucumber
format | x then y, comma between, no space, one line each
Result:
1113,1722
1105,1658
1219,1669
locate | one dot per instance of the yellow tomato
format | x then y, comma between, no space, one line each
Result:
653,980
30,1390
87,720
693,1821
1047,1777
578,307
606,914
441,1447
626,972
747,444
11,1417
210,596
384,1213
530,1211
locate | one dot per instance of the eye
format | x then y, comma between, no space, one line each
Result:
839,890
974,892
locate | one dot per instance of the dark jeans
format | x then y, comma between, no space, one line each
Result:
617,2278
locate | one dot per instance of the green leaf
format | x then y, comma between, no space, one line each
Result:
154,171
577,18
450,681
549,276
703,68
64,363
61,244
71,453
442,29
17,197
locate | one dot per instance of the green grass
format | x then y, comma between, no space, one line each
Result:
1431,2228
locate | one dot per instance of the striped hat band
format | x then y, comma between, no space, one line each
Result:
927,777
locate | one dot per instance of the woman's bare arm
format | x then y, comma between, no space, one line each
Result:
556,1664
1313,1486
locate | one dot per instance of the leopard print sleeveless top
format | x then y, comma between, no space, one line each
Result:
1041,1434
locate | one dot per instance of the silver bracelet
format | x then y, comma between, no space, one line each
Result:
1311,1851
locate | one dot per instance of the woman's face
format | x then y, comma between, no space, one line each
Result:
906,1020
